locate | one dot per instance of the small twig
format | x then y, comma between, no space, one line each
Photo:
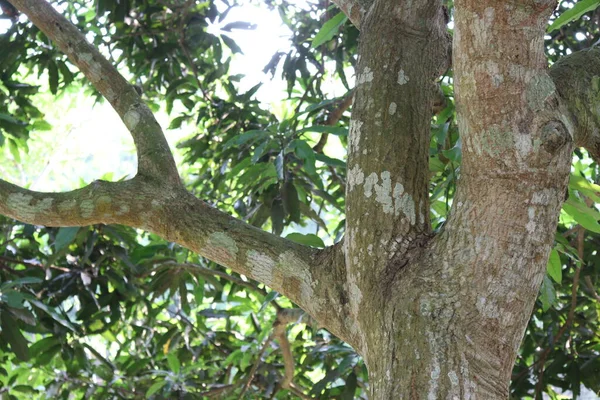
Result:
333,118
590,286
255,367
217,391
32,264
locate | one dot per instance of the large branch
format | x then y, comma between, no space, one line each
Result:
577,79
404,49
154,156
516,157
155,200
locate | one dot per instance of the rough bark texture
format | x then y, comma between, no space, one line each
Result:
435,316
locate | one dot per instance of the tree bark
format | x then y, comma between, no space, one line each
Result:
434,315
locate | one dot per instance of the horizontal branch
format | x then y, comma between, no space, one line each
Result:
308,276
154,156
577,79
99,202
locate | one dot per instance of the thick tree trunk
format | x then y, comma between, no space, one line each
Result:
443,316
435,316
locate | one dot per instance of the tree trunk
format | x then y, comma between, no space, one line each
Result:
435,314
442,316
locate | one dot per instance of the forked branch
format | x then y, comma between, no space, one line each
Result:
156,201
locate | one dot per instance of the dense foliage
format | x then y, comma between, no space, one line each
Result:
111,312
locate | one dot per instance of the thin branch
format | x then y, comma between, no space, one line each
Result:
32,264
334,117
284,317
255,367
216,391
590,287
155,159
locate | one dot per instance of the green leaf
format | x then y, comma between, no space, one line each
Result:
583,215
350,387
308,239
277,216
10,119
259,151
269,298
547,294
229,42
238,25
329,29
64,237
586,187
306,153
455,153
41,125
155,388
291,203
334,162
12,334
334,130
20,282
574,13
42,345
14,150
173,362
554,267
53,77
248,136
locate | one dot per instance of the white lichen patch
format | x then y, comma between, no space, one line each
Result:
434,375
86,208
44,204
131,119
392,108
531,224
66,205
487,308
18,200
365,76
538,91
94,67
383,192
523,144
406,205
294,267
543,197
222,247
123,209
493,71
402,77
370,182
261,266
355,177
395,201
354,135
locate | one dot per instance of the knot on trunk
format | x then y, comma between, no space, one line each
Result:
554,135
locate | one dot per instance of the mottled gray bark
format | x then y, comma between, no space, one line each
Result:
436,316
